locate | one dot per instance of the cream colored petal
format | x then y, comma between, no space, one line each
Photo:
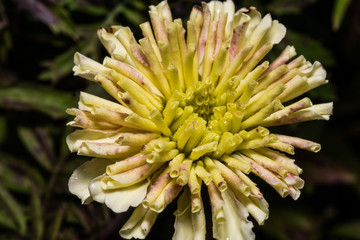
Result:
238,36
254,203
88,68
300,143
103,114
128,178
275,34
266,162
282,159
236,225
131,228
124,34
113,46
215,8
271,179
183,225
229,8
261,29
218,216
294,193
297,62
158,184
255,18
84,119
315,112
256,206
88,102
286,111
81,178
198,223
294,181
324,109
314,76
126,164
120,200
139,224
313,70
288,53
163,11
106,150
133,73
169,193
96,191
136,139
232,179
197,18
188,225
75,139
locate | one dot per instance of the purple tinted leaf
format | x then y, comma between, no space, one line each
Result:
38,10
16,175
45,100
39,144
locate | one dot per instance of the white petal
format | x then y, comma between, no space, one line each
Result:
83,175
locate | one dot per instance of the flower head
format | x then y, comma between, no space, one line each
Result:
193,110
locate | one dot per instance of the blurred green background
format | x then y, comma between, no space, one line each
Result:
37,41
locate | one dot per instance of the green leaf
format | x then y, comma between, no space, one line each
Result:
56,224
133,16
6,221
349,230
45,100
339,12
139,5
39,144
64,22
281,7
85,7
59,67
285,223
18,176
324,93
3,129
64,150
36,213
6,43
14,208
62,65
312,49
81,215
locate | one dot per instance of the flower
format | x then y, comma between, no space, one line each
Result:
190,112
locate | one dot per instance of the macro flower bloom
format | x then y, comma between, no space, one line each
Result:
193,109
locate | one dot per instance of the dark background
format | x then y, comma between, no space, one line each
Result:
37,42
